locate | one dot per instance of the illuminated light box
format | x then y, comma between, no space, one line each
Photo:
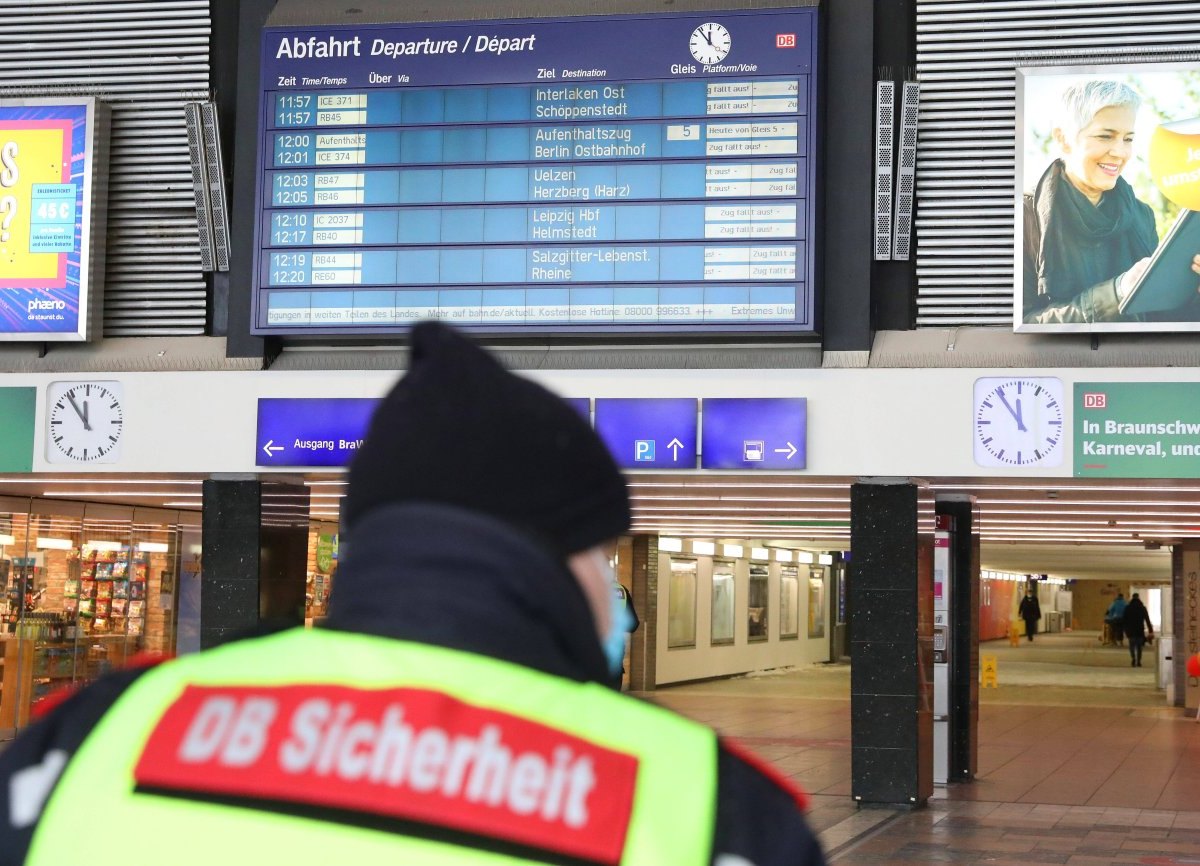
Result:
598,175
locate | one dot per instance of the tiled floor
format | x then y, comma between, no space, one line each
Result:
1080,763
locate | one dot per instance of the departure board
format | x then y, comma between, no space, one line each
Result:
617,174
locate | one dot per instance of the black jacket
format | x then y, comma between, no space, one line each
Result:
1136,619
1030,609
1075,252
443,576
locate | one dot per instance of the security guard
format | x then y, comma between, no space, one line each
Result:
452,710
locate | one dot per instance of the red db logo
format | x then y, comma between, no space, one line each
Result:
1094,401
785,40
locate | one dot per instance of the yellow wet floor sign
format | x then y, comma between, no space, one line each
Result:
987,667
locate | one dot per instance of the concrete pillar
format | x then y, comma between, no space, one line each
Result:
255,555
891,679
1185,610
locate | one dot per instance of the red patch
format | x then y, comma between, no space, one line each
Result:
410,754
791,788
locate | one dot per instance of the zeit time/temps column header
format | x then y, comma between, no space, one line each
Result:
564,175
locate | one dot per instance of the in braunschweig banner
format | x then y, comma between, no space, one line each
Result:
51,226
1108,179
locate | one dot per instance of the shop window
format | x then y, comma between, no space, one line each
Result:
758,604
722,603
681,604
789,603
816,602
322,566
85,588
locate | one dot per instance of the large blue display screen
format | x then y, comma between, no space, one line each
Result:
617,174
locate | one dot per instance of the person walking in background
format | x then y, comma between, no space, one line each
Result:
1031,612
1114,618
631,623
454,707
1136,620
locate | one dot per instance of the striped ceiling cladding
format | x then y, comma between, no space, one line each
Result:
966,56
145,59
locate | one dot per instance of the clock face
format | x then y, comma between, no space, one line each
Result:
710,43
85,421
1018,421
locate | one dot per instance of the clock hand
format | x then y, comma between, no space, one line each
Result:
1020,416
87,426
1016,415
707,36
81,413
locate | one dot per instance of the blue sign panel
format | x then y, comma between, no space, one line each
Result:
589,174
311,432
754,434
649,434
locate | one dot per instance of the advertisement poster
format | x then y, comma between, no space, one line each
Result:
816,603
1137,429
1108,179
50,268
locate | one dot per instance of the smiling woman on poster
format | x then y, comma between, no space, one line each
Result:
1087,236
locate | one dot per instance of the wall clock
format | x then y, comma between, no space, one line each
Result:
85,422
1018,421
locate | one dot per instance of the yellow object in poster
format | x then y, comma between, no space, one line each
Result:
1175,161
30,158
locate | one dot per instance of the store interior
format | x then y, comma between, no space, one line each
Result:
96,569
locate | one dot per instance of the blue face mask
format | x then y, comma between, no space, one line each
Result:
619,622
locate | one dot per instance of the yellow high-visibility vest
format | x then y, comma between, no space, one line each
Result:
323,747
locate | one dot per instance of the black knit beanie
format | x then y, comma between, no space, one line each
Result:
458,429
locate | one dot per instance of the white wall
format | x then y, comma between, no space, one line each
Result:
705,660
899,422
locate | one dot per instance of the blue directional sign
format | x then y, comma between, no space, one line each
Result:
649,433
755,433
311,432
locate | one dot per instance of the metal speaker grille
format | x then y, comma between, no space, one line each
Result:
217,199
906,179
200,184
885,134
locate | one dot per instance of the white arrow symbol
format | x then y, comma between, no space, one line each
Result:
790,451
675,445
271,446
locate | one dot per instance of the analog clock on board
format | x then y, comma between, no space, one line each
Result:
710,43
85,422
1018,421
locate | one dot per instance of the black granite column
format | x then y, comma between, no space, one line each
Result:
891,673
643,651
255,555
964,637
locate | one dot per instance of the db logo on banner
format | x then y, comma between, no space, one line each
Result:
1094,401
785,40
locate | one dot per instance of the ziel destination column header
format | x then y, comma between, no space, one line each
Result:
650,174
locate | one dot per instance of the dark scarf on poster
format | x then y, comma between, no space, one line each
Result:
1084,244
